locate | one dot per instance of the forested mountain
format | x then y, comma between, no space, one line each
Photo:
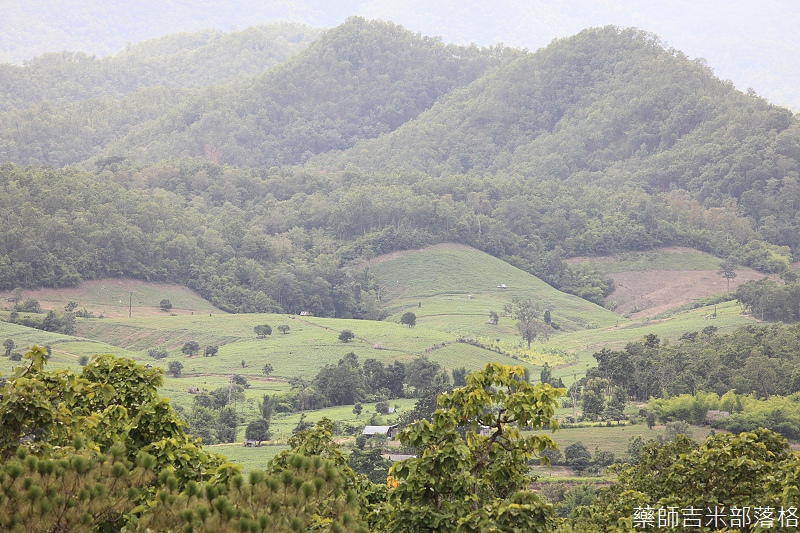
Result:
360,80
603,142
605,101
603,112
180,61
63,108
751,43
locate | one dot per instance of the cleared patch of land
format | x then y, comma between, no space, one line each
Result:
116,298
657,281
658,291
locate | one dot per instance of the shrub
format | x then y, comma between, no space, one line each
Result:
158,353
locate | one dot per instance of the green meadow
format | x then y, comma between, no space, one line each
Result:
451,289
672,259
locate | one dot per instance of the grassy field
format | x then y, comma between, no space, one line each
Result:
249,458
615,438
458,286
451,289
119,297
669,259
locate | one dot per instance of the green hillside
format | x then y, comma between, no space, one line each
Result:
450,288
66,349
180,61
457,286
539,117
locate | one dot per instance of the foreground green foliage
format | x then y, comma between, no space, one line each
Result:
478,482
755,469
112,402
74,490
80,454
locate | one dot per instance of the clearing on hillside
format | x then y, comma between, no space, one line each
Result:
656,281
114,298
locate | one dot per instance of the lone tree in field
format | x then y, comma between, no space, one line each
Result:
346,335
9,345
262,330
191,348
211,351
284,328
165,305
175,368
409,319
267,370
527,314
257,430
726,270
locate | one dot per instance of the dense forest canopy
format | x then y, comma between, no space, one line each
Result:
183,60
603,142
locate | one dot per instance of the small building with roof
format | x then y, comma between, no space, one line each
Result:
389,431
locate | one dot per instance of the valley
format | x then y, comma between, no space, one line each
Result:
451,289
234,264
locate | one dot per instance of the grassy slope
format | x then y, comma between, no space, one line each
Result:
440,278
450,288
664,259
444,277
112,298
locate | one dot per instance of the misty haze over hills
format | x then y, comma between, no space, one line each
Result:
751,43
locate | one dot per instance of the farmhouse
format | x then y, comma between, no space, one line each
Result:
389,431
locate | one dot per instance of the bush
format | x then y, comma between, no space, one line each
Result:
346,335
262,330
382,408
240,380
577,456
257,430
175,368
31,305
191,348
158,353
165,305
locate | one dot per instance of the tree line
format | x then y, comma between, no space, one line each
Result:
758,359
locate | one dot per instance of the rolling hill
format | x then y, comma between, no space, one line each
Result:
457,284
451,288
